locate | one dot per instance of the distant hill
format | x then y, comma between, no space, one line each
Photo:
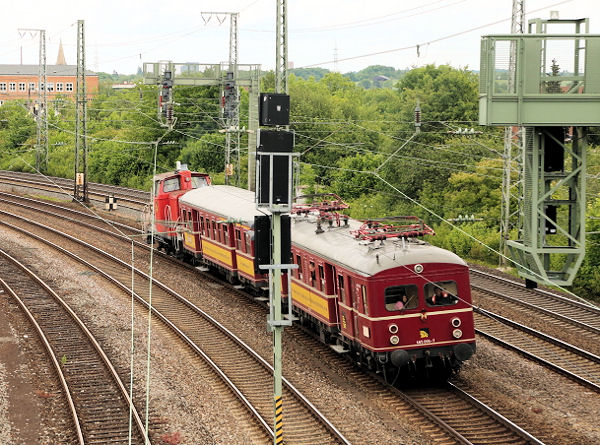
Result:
374,76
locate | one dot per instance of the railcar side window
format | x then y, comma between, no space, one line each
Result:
248,244
322,278
299,263
313,275
441,293
171,184
238,239
398,298
363,291
225,234
341,291
198,181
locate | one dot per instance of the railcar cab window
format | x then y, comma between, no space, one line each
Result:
441,293
398,298
171,184
198,181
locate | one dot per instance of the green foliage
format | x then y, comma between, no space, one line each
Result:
587,281
348,131
474,241
205,154
445,93
308,73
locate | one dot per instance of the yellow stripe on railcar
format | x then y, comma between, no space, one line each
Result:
216,252
245,265
312,301
189,240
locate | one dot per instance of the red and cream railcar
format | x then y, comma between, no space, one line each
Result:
393,303
380,299
219,232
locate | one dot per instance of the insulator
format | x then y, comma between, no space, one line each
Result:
417,115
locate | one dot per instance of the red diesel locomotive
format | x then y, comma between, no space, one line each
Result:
368,289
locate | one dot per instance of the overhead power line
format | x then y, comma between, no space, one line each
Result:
424,44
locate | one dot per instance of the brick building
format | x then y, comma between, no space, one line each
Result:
21,82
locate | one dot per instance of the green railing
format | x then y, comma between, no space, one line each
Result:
540,79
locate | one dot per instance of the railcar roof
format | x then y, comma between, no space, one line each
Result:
224,200
366,258
336,243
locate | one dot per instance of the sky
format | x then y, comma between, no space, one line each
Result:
121,35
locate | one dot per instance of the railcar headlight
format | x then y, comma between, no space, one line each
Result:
457,333
394,340
393,328
456,322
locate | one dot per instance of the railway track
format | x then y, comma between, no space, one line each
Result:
404,404
567,313
575,363
98,400
129,198
245,372
472,421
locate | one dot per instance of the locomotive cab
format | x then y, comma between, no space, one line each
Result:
166,191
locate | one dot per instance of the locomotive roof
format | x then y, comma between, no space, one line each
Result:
364,258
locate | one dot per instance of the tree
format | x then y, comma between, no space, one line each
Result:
206,154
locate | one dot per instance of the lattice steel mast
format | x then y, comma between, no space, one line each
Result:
80,185
281,49
41,152
517,26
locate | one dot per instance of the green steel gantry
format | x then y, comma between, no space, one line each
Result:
554,92
199,74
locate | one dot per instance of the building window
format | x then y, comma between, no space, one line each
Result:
12,86
59,86
69,86
50,86
41,86
2,86
31,86
21,86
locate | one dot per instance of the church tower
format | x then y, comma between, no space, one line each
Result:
60,60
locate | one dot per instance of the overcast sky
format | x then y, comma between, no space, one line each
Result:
120,35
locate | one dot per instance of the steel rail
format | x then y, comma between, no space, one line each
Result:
495,414
533,307
184,300
32,184
50,353
115,376
588,307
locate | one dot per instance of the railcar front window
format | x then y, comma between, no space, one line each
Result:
398,298
198,181
441,293
170,185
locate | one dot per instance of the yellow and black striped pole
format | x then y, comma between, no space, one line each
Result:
278,420
277,329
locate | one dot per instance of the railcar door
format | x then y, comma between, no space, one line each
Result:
345,310
352,297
